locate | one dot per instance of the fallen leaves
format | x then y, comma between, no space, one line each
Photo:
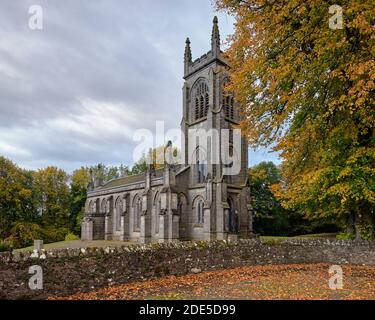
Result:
300,282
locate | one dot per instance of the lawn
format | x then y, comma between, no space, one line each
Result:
314,235
279,282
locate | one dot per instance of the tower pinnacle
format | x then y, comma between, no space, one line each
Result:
215,37
187,55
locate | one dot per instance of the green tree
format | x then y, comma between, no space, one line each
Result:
269,217
140,166
107,173
123,170
78,195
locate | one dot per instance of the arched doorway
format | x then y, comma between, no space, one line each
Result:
232,217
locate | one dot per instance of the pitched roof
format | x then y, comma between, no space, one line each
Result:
124,181
129,180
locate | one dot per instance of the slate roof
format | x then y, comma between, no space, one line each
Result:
129,180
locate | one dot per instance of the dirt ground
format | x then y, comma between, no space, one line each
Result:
309,281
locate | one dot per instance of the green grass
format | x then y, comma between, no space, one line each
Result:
272,242
274,237
315,235
318,235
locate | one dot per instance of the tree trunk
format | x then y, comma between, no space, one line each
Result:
350,223
357,233
357,228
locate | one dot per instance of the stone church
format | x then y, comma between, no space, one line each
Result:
190,201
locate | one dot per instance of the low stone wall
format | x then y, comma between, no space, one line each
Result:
72,270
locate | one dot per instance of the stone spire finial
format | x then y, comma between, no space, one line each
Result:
187,56
215,37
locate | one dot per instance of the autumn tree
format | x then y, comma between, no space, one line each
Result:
306,86
53,196
17,199
158,157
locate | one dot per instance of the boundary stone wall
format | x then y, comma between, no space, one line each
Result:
74,270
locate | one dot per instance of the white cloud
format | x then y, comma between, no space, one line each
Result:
12,151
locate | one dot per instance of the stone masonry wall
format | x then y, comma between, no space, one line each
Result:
72,270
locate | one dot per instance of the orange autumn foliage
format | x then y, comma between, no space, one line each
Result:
307,89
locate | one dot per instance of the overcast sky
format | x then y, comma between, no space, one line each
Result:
74,93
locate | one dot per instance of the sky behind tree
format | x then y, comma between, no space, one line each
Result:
75,92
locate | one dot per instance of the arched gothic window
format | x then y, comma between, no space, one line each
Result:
202,171
201,166
180,208
200,212
201,100
206,103
137,213
196,108
91,207
118,210
228,102
157,213
229,178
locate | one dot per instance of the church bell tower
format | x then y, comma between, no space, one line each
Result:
210,115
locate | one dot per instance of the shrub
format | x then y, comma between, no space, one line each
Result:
366,231
71,236
5,246
345,236
23,234
272,242
53,234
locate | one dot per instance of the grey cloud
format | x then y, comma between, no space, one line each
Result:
73,93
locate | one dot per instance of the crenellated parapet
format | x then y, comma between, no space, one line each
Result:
214,55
